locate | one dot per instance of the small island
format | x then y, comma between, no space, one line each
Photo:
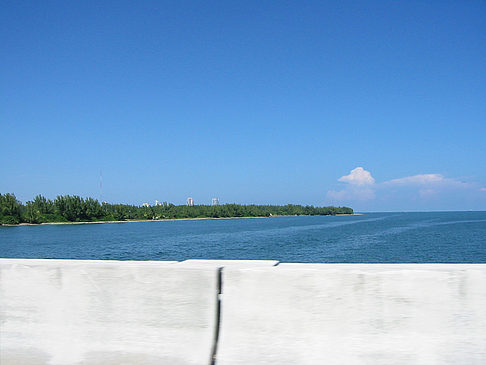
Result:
75,209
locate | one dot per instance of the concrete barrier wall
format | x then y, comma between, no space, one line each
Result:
354,314
74,312
67,312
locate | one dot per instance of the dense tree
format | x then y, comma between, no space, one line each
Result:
43,205
10,209
76,209
31,213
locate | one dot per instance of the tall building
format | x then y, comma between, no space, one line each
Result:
190,202
215,201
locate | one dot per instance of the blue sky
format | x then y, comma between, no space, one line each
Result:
377,105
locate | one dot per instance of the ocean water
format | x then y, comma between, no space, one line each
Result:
452,237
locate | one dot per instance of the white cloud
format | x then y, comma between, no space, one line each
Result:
430,190
350,194
359,176
360,186
417,179
429,181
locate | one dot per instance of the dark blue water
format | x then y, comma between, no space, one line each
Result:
374,237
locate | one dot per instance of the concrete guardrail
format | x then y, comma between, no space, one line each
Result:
72,312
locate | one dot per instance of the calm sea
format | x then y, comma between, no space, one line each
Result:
374,237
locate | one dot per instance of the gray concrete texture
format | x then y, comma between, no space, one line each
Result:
68,312
228,263
72,312
354,314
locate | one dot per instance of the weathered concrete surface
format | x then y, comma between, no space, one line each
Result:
70,312
228,263
354,314
65,262
84,312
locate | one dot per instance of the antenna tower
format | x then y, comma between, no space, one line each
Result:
101,187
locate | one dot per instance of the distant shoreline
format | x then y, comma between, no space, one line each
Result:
166,220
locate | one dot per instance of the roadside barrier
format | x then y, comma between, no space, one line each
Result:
72,312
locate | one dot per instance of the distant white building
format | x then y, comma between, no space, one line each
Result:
146,205
157,203
215,201
190,202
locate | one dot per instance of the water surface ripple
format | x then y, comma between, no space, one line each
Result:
458,237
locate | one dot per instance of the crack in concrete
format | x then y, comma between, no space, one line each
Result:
219,285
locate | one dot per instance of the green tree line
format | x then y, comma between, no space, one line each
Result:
72,208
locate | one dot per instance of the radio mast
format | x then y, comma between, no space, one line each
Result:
101,187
